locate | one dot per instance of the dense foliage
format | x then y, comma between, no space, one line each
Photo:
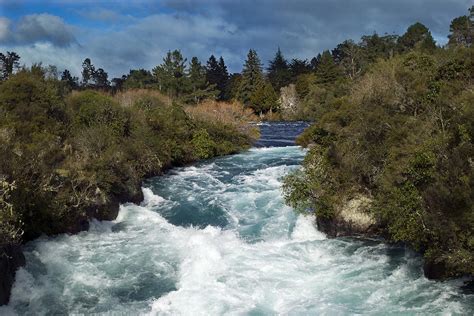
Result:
66,157
400,134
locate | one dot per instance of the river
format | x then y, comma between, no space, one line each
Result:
216,238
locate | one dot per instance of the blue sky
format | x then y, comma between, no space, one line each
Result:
120,35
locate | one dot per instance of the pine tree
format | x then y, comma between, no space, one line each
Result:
327,71
375,46
198,87
299,67
100,78
417,35
138,79
171,74
70,81
278,71
462,30
212,70
8,63
251,77
263,98
223,83
216,74
315,62
88,71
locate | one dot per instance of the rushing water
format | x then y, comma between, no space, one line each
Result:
216,238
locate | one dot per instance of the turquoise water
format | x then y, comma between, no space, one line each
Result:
216,238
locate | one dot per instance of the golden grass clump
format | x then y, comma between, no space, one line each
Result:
129,97
229,113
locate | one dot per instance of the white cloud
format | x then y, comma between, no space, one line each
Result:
4,28
44,27
229,28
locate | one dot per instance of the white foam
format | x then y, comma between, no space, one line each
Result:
305,229
288,268
150,198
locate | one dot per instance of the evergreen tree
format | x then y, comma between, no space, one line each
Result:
328,71
462,30
100,78
349,56
198,87
118,83
417,35
264,98
251,77
375,46
171,74
233,85
70,81
217,75
212,70
223,83
314,63
8,63
299,67
278,71
138,79
88,71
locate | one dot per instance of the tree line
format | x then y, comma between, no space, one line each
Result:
258,88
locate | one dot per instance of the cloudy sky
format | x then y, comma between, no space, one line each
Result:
120,35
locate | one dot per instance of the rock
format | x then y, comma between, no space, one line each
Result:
288,100
434,270
11,258
351,219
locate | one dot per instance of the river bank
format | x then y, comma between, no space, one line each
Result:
216,237
67,158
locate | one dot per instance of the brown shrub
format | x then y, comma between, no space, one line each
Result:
129,97
228,113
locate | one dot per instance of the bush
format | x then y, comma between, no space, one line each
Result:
403,135
65,159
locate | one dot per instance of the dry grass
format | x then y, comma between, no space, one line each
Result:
129,97
229,113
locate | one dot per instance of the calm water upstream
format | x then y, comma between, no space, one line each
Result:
216,238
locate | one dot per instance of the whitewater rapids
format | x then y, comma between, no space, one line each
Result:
216,238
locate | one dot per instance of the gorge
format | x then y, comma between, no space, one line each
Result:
216,238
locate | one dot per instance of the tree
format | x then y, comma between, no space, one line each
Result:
299,67
223,83
8,63
314,63
375,46
138,79
462,30
349,56
217,75
100,78
278,71
416,36
233,86
88,71
264,98
198,87
212,70
70,81
327,71
118,83
251,77
171,74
